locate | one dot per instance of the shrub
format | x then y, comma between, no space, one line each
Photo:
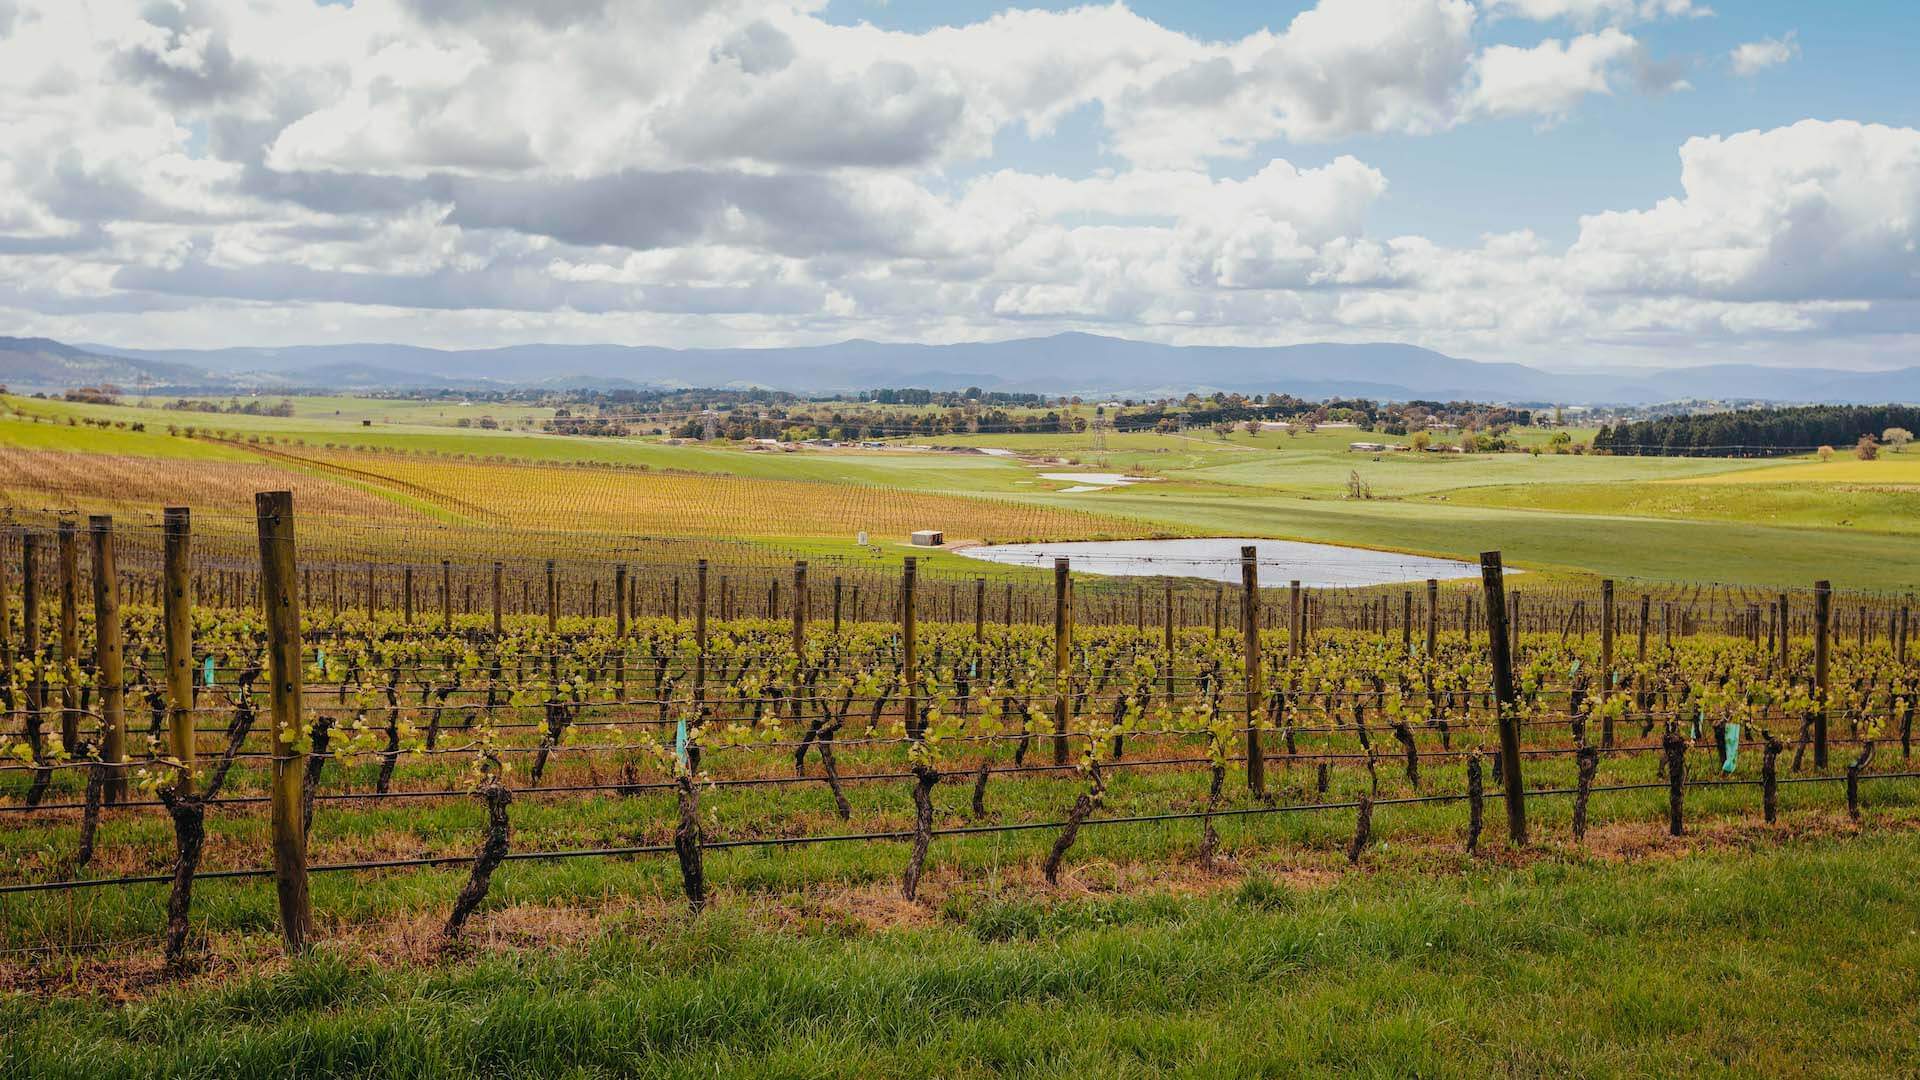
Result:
1866,449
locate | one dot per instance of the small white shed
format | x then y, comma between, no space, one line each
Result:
929,538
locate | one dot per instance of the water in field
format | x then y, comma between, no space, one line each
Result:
1218,559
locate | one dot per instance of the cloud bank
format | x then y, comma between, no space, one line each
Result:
742,172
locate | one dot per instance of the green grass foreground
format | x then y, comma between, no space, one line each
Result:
1791,959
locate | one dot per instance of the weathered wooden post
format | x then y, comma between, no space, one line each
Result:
31,643
700,637
979,608
284,670
1062,633
406,599
800,598
910,649
499,585
553,604
6,618
620,603
837,586
69,556
177,616
1166,640
446,594
1295,630
1822,647
1433,617
109,660
1606,637
1501,645
1250,644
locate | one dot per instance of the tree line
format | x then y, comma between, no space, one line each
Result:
1758,432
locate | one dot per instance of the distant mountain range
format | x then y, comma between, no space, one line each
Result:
1072,363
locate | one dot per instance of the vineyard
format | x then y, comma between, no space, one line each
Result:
367,495
184,714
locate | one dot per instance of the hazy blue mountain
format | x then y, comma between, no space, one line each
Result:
44,364
1072,363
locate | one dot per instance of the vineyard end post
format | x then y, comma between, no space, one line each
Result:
284,670
1250,643
1499,641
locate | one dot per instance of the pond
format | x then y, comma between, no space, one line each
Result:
1320,566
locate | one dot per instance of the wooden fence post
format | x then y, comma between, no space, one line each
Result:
1606,637
800,619
1250,643
553,605
910,650
177,615
1062,633
1822,646
31,643
1166,642
1433,616
1295,630
284,670
6,615
406,602
979,608
69,557
499,584
699,638
620,602
1501,645
838,584
109,657
446,594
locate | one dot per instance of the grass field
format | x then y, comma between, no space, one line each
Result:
1744,951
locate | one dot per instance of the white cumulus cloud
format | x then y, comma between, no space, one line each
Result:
1753,57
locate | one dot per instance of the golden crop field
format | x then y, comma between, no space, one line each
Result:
117,483
663,503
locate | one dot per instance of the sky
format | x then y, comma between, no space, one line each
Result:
1575,184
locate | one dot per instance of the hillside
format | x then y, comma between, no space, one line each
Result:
45,364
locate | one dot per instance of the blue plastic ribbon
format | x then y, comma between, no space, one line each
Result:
206,673
1733,748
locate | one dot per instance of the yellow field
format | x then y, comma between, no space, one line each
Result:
664,503
136,486
1890,469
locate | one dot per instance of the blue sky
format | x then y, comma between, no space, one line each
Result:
1857,61
1572,183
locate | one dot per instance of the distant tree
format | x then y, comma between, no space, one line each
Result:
1866,449
1826,453
1422,441
1898,438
